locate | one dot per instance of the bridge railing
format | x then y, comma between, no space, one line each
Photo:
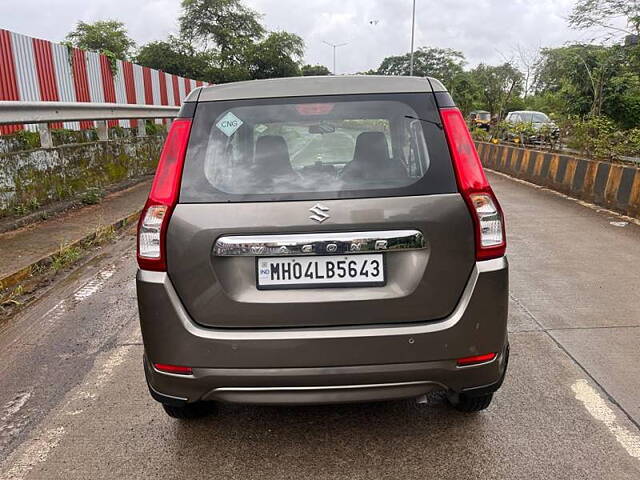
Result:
44,113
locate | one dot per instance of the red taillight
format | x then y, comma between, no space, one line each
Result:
474,187
487,357
162,198
175,369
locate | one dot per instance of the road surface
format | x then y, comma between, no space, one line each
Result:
74,405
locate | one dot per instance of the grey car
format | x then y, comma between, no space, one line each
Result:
539,122
321,240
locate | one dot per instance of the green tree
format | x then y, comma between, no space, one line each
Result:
104,36
602,13
444,64
315,70
278,55
592,80
177,57
465,92
497,86
224,25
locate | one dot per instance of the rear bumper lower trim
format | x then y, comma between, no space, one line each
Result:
318,388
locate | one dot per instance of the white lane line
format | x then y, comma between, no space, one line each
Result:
599,410
9,424
94,285
12,407
36,452
38,449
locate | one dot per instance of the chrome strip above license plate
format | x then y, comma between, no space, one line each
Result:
319,243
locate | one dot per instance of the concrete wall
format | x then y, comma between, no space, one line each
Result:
37,177
610,185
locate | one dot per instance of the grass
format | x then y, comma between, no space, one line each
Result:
11,297
65,256
92,196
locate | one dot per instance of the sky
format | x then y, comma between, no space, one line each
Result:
487,31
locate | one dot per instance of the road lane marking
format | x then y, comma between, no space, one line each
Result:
36,452
38,449
9,424
94,285
598,408
12,407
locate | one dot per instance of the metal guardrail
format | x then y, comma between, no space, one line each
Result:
47,112
43,113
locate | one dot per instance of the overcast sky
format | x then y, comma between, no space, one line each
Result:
484,30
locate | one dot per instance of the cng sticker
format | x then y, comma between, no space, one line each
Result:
229,124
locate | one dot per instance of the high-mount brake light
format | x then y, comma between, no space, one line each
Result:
474,187
315,108
162,198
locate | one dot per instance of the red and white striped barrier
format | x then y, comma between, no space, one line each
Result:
33,70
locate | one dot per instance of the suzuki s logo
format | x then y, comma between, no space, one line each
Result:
319,213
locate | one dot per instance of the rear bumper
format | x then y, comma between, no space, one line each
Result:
325,365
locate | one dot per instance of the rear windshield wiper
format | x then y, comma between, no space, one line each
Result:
437,124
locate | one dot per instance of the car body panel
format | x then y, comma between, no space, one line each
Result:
421,285
357,355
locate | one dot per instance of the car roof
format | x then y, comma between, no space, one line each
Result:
527,111
315,86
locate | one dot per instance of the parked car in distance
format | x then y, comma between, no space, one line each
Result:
321,240
536,126
480,119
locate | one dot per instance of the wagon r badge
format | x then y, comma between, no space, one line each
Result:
319,213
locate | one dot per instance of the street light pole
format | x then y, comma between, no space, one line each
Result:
413,36
334,46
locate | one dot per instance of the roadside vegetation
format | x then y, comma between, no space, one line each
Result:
15,297
590,90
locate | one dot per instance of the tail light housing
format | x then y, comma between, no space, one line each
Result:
152,227
474,187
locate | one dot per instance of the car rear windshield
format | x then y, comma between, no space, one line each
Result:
346,146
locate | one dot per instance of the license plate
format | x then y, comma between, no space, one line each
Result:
360,270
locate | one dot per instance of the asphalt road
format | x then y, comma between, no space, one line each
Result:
74,405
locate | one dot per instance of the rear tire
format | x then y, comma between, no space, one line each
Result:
189,411
467,404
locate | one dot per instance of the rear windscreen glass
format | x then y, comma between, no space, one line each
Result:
345,146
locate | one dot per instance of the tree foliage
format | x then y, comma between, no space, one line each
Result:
224,41
444,64
590,80
315,70
226,25
603,13
498,85
278,55
175,56
104,36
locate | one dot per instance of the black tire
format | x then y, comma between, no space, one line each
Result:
467,404
189,411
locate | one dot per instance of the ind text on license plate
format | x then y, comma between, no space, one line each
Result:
360,270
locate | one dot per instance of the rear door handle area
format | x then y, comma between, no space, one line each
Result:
319,243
